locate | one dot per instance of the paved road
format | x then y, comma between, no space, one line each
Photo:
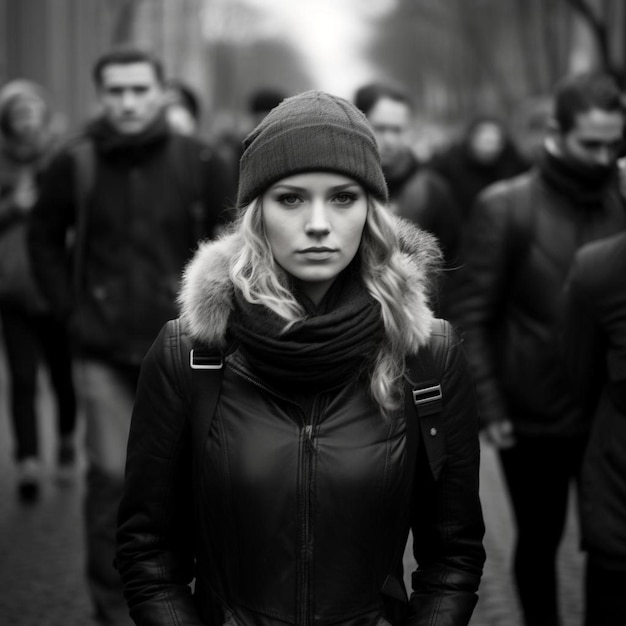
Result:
41,550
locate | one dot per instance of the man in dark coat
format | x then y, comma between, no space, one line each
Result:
134,198
521,242
416,192
595,356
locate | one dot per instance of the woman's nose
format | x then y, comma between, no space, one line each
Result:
317,222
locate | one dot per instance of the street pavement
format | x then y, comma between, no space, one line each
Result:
42,555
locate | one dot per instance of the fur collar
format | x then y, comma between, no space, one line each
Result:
206,294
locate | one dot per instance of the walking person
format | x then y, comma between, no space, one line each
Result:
521,242
416,191
595,357
483,155
31,334
295,506
150,194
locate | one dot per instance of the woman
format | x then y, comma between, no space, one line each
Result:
29,331
299,508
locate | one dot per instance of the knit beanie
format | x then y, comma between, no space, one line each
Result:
313,131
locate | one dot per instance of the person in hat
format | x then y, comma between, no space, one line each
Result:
296,506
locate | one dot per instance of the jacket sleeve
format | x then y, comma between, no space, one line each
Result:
52,217
480,300
155,555
448,525
583,343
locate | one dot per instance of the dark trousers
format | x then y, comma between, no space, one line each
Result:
539,473
28,339
605,595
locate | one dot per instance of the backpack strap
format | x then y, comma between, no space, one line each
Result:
207,371
424,397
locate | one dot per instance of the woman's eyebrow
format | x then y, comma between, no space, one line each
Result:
335,188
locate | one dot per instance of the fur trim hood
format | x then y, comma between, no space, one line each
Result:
206,295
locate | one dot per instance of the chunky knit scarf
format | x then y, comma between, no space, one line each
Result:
336,341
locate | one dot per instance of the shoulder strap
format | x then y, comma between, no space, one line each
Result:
424,397
207,370
84,174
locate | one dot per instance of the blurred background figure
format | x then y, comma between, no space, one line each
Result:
522,239
258,104
31,332
484,154
261,102
595,356
138,196
183,110
416,192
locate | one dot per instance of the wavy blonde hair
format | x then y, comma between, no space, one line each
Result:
385,271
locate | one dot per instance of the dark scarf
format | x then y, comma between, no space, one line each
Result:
128,148
581,184
338,340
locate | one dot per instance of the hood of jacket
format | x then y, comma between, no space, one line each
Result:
206,296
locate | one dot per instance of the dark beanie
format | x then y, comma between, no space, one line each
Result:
313,131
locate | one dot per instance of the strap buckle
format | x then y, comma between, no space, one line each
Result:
201,360
427,394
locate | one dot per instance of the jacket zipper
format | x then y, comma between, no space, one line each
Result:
308,449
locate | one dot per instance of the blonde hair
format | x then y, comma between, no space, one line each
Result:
385,271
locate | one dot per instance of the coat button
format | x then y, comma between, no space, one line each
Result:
433,432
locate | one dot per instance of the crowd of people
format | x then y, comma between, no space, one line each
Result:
285,345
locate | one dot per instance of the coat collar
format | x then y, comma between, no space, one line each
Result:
206,296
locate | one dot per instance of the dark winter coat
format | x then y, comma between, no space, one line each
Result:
298,518
595,355
142,218
520,246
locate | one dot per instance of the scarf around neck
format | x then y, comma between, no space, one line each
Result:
336,341
582,184
131,147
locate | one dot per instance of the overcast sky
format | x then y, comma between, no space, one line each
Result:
330,34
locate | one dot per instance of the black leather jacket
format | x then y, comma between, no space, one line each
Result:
294,517
595,355
522,241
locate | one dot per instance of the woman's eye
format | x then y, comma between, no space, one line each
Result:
344,197
289,199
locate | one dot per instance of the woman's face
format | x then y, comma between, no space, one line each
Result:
314,222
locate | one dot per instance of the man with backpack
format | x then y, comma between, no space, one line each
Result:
133,199
522,240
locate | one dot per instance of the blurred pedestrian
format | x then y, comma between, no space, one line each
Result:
31,334
259,103
294,505
523,236
595,355
485,154
183,110
138,197
416,192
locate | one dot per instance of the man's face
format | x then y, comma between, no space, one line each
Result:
390,120
595,139
131,96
